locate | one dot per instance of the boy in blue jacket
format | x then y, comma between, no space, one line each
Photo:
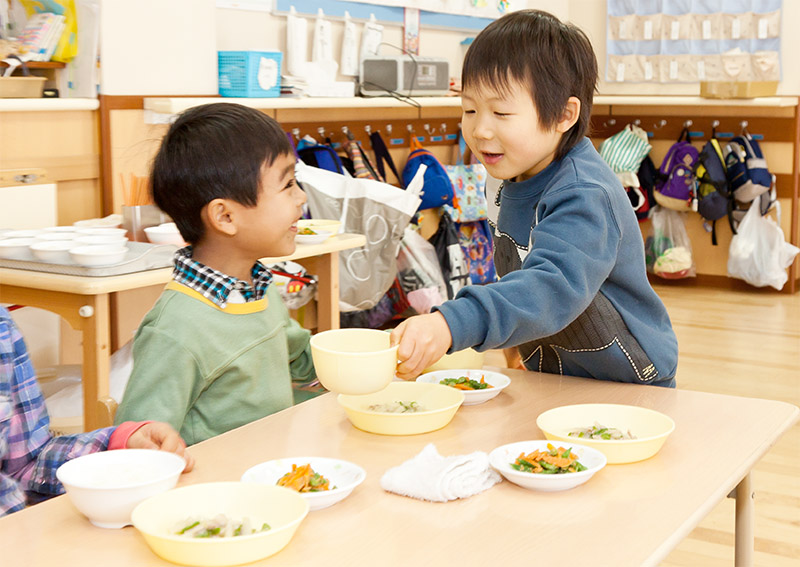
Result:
573,296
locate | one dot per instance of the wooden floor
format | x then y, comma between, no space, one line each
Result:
743,343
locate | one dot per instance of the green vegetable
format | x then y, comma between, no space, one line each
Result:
189,527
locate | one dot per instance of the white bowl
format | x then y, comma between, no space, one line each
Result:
471,397
96,239
55,236
16,248
503,457
166,233
102,231
56,251
112,221
354,361
342,475
104,255
64,230
107,486
281,508
317,238
22,233
318,225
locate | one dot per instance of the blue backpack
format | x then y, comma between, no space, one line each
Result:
748,175
437,189
322,156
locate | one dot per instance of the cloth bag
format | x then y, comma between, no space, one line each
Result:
452,261
759,253
469,185
379,211
668,250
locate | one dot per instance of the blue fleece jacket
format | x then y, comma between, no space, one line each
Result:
582,237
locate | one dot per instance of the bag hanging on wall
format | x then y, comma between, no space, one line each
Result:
469,186
377,210
759,253
451,256
668,250
475,239
676,188
382,156
437,189
713,195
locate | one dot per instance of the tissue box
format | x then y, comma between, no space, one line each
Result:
250,74
743,89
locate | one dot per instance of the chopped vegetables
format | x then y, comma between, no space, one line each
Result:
304,479
598,431
218,526
552,461
465,383
306,230
397,407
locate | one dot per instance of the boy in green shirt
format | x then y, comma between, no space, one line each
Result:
219,350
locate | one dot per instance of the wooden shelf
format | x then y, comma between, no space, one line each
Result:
40,64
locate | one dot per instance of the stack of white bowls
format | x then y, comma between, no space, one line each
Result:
66,245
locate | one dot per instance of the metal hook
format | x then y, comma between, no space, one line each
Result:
368,129
389,129
443,128
744,124
715,123
321,132
687,124
637,122
660,124
610,122
296,133
410,128
428,129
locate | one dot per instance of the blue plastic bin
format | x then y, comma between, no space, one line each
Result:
246,73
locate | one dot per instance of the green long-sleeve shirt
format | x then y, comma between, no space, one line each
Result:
206,370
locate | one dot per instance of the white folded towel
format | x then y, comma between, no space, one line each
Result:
430,476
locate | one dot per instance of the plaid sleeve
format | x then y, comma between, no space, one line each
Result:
29,456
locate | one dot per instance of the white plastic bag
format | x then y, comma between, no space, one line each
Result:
668,249
418,269
759,254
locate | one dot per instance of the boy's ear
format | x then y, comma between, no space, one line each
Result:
569,117
219,216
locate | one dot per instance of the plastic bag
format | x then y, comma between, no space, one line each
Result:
668,250
419,271
759,254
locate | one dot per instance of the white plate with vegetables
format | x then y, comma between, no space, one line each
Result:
478,385
546,466
321,481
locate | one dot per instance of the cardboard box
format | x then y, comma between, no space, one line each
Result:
21,87
731,89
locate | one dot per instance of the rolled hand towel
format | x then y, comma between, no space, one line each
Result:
430,476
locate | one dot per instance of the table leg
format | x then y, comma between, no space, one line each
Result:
326,268
745,521
96,358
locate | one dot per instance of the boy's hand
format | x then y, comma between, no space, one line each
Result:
423,340
161,436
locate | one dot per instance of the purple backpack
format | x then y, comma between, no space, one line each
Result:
676,187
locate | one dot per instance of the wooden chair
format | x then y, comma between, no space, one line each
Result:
106,410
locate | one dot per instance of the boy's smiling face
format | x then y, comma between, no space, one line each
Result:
269,228
502,128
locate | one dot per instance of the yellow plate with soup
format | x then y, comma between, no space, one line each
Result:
649,428
403,408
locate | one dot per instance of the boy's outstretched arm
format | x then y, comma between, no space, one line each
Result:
423,340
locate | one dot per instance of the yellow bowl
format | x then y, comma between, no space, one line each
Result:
320,225
439,403
651,429
467,358
354,361
158,517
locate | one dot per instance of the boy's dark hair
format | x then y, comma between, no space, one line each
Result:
214,151
555,60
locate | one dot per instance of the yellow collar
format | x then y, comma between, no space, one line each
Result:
232,308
